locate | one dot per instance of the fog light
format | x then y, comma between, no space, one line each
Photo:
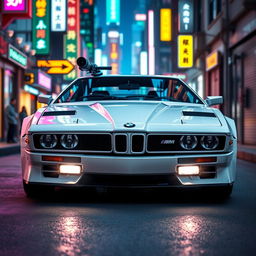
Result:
188,170
70,169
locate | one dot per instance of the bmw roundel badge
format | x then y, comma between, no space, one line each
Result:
129,125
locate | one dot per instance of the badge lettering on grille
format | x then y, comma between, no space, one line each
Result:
167,142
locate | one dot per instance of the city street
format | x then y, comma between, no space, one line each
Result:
141,223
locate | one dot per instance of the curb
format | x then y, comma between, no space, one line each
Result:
247,156
9,150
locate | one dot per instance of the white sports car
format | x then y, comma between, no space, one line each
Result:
128,131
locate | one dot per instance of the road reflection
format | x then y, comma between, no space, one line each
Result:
188,231
69,233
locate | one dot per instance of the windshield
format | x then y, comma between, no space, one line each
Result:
128,88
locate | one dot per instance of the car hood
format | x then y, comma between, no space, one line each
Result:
149,116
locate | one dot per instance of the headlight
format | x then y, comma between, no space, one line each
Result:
209,142
188,142
48,140
69,141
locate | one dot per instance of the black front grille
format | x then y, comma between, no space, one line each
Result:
166,143
88,142
138,143
120,143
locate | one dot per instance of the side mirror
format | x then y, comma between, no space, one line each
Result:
46,99
214,100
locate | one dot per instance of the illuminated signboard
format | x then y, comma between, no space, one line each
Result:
87,27
31,89
58,13
185,51
113,51
113,11
186,21
98,56
166,24
151,47
17,56
114,70
140,17
40,26
212,60
113,34
71,39
44,80
14,5
56,66
143,63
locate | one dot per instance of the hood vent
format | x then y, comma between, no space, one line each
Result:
60,113
194,113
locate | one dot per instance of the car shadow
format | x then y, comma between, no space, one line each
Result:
130,196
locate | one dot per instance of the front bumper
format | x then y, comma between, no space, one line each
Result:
127,171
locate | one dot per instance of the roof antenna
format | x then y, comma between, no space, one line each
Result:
91,68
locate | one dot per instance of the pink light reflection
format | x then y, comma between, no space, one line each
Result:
48,120
70,233
190,231
103,112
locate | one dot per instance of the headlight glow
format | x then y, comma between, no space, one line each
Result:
48,140
70,169
209,142
188,142
69,141
188,170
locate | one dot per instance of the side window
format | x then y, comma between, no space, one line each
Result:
71,93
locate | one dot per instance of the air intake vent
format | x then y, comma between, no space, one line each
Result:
194,113
120,143
60,113
138,142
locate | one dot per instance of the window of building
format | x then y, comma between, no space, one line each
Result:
214,8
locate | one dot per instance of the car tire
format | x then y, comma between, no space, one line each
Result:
35,191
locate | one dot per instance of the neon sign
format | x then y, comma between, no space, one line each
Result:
40,26
58,13
185,51
186,16
71,39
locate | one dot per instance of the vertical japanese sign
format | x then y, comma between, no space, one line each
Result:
113,11
186,20
165,24
40,26
58,15
185,51
71,39
87,26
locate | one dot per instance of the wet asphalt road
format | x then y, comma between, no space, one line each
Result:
125,223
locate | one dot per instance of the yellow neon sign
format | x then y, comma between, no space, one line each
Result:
166,24
211,60
185,51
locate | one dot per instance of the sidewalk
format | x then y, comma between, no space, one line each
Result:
9,148
247,153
